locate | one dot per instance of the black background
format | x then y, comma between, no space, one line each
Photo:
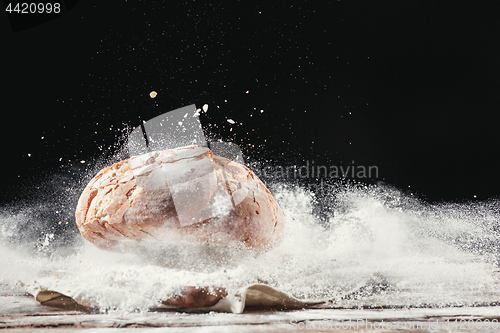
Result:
411,87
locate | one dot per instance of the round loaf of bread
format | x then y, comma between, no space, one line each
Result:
183,195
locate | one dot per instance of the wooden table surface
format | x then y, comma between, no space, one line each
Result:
20,312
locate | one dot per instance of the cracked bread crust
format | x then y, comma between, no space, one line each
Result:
125,202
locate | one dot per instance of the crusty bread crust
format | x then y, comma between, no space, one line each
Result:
130,200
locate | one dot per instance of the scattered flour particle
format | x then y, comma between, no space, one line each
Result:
205,108
231,121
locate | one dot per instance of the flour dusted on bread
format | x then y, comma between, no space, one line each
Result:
183,195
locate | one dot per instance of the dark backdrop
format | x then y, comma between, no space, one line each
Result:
411,87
